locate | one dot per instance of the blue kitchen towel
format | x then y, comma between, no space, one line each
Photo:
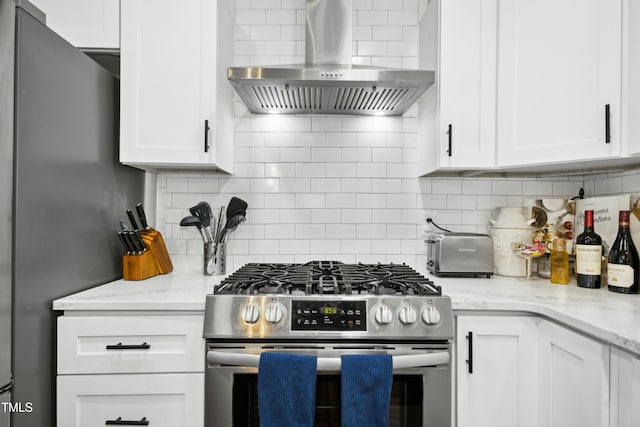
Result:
366,390
287,390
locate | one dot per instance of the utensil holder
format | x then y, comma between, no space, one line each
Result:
215,259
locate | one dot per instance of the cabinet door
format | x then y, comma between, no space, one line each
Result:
574,379
168,91
457,115
496,371
559,65
164,400
92,24
467,83
625,389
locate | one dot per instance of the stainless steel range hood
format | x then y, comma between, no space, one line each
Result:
328,83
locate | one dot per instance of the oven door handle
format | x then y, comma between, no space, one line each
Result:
330,363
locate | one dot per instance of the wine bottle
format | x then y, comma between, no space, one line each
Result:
623,267
589,255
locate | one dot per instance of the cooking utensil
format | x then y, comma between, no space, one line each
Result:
219,225
194,221
231,225
202,211
235,206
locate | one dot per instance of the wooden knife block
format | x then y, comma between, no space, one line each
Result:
154,261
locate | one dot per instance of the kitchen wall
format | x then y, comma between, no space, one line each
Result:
339,187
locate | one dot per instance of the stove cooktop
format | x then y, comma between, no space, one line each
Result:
327,278
327,300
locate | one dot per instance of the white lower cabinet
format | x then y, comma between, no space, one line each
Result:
574,379
525,371
163,400
496,371
625,389
129,369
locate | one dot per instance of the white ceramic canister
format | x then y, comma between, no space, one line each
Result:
505,261
513,217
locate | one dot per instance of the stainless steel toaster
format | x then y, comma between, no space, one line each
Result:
459,254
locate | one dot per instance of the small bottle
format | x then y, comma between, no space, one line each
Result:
559,262
588,255
623,266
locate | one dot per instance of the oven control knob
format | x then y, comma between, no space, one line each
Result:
431,315
250,313
408,315
273,313
383,315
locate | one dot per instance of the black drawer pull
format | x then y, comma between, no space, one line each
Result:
120,422
470,353
120,346
450,133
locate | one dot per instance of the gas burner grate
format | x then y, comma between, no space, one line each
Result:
327,278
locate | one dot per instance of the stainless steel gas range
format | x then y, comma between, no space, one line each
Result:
328,309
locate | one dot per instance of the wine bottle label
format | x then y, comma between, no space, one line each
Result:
589,259
620,275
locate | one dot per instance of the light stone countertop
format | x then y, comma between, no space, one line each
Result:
605,315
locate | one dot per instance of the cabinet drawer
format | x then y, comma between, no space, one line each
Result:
130,344
164,400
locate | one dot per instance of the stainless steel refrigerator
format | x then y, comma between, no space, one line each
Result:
62,192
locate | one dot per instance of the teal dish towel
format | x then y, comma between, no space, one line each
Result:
287,390
366,390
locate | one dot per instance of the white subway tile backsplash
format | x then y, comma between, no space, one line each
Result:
370,17
371,200
325,185
333,186
279,231
310,201
341,200
371,231
311,231
341,170
325,216
356,185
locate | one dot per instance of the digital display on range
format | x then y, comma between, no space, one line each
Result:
328,315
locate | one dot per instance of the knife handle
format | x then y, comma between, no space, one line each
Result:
139,240
124,242
142,216
132,219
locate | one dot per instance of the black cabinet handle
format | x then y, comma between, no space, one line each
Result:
120,346
450,133
206,136
120,422
607,124
470,352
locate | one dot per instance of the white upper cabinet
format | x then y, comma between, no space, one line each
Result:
89,24
559,84
176,105
458,113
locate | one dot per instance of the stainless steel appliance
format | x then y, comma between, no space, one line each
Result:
328,309
459,254
61,194
327,83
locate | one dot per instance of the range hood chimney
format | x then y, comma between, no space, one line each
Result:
328,83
